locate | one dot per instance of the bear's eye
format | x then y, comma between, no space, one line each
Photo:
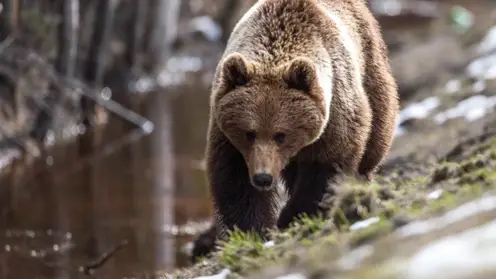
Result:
250,136
279,138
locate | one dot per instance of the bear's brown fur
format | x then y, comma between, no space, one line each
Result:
304,90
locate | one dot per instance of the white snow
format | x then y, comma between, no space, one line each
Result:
434,195
457,256
292,276
364,223
420,109
221,275
472,108
464,211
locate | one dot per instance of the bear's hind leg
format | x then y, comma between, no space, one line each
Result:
236,202
383,97
310,187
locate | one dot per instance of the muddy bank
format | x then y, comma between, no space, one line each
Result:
422,219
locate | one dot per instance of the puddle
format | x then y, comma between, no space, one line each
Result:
115,200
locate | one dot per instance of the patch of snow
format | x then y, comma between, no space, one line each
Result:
399,131
483,67
221,275
364,223
292,276
464,211
421,109
453,86
269,243
434,195
207,26
457,256
354,258
487,43
479,86
472,108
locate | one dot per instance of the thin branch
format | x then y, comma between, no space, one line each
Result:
90,268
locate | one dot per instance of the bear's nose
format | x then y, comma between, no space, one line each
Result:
262,179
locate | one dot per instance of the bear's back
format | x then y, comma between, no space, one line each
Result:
273,32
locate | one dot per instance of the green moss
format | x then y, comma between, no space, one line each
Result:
244,251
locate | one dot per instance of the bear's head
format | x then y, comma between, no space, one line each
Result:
269,115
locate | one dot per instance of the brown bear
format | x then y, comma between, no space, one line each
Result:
303,91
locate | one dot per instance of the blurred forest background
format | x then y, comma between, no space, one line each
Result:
103,116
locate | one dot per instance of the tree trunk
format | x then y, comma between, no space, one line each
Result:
9,18
163,35
95,65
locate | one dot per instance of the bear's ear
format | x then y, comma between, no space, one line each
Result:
235,70
301,74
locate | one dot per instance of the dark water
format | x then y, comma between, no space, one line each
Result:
62,214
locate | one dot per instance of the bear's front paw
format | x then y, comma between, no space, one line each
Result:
204,244
286,217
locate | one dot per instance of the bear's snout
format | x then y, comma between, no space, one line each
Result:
262,181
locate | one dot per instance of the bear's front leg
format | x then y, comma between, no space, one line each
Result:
236,202
309,188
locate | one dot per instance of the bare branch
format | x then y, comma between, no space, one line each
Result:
90,268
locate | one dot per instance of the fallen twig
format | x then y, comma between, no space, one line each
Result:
90,268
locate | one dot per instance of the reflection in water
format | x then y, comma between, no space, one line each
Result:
63,215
